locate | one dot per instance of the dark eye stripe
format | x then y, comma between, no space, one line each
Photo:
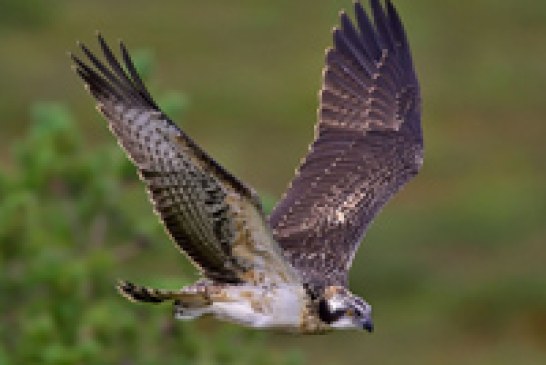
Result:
326,316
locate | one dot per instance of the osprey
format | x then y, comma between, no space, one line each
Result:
289,270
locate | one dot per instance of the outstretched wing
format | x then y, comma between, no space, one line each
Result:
368,144
213,217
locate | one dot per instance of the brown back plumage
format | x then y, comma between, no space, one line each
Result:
368,144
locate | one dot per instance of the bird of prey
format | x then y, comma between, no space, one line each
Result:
290,270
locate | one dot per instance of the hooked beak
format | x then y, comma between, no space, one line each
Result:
367,324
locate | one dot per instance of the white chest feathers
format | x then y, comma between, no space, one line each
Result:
281,306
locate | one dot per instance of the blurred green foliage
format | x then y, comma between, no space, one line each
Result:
63,229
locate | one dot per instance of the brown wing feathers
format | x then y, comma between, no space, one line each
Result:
188,189
368,144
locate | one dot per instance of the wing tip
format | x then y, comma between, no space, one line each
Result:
99,36
370,33
107,78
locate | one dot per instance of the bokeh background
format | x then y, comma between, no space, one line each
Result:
455,266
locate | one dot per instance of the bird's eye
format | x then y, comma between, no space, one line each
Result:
351,312
327,315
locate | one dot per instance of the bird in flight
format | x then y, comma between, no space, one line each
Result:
290,270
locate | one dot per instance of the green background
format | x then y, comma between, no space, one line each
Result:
455,265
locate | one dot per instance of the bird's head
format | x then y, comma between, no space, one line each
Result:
343,310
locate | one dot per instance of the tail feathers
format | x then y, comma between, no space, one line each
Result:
142,294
